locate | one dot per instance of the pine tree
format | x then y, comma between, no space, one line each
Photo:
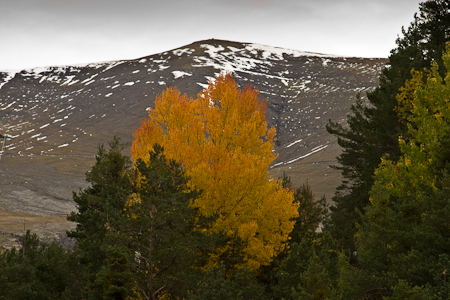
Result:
98,205
37,271
135,235
404,236
311,213
159,227
214,285
374,128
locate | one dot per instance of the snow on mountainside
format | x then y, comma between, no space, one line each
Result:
58,115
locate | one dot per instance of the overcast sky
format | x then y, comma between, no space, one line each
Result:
62,32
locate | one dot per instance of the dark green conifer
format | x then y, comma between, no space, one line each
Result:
135,228
37,271
374,127
98,205
404,235
159,228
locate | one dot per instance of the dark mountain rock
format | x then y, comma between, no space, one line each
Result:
58,115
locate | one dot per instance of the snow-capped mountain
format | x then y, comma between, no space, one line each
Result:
58,115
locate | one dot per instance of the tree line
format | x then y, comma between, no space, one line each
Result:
193,213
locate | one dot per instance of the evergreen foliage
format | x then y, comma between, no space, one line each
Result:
97,206
135,227
214,285
36,271
404,237
163,244
373,128
311,213
313,269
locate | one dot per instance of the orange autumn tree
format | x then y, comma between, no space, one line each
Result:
222,141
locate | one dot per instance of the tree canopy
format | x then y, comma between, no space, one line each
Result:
222,141
404,235
375,126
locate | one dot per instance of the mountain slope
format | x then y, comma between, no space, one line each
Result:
58,115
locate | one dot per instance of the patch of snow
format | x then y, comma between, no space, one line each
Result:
235,62
275,53
292,144
112,65
8,106
203,85
89,82
73,82
39,70
180,52
277,164
90,78
68,80
107,78
317,149
9,75
129,83
325,61
178,74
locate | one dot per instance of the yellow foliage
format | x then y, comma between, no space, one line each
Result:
426,107
222,141
138,296
407,93
132,200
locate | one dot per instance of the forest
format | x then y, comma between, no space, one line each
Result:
194,214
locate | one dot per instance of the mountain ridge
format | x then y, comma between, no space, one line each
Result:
261,46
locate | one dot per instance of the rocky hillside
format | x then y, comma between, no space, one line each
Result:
58,116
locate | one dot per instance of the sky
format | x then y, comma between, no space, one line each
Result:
36,33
